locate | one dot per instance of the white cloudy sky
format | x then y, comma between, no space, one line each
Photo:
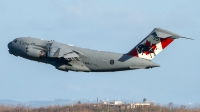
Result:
113,25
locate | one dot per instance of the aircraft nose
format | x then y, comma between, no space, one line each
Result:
9,45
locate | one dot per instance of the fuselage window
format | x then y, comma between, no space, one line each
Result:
15,41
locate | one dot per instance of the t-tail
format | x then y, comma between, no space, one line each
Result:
154,43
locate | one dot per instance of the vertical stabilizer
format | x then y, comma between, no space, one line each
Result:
153,44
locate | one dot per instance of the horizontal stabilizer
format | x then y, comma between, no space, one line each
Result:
187,38
161,34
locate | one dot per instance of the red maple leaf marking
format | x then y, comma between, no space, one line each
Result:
151,46
133,52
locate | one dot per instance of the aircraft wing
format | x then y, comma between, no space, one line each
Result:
56,50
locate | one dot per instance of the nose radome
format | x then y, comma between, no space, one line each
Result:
9,45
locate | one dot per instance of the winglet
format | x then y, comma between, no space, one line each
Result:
56,54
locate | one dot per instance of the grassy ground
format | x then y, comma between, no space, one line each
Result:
98,108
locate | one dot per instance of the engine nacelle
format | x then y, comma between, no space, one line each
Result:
36,53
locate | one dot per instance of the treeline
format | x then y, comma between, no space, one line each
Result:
98,108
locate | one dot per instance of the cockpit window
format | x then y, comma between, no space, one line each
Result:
15,41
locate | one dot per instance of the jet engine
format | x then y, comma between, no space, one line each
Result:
36,53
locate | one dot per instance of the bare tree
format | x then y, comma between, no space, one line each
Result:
170,105
144,100
100,108
79,102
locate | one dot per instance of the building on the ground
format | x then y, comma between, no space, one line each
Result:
116,103
137,105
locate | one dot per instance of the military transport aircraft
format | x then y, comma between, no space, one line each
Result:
67,57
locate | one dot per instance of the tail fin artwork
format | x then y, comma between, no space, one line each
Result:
153,44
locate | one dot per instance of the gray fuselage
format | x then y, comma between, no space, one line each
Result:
67,57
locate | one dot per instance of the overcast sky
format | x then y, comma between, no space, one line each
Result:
108,25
